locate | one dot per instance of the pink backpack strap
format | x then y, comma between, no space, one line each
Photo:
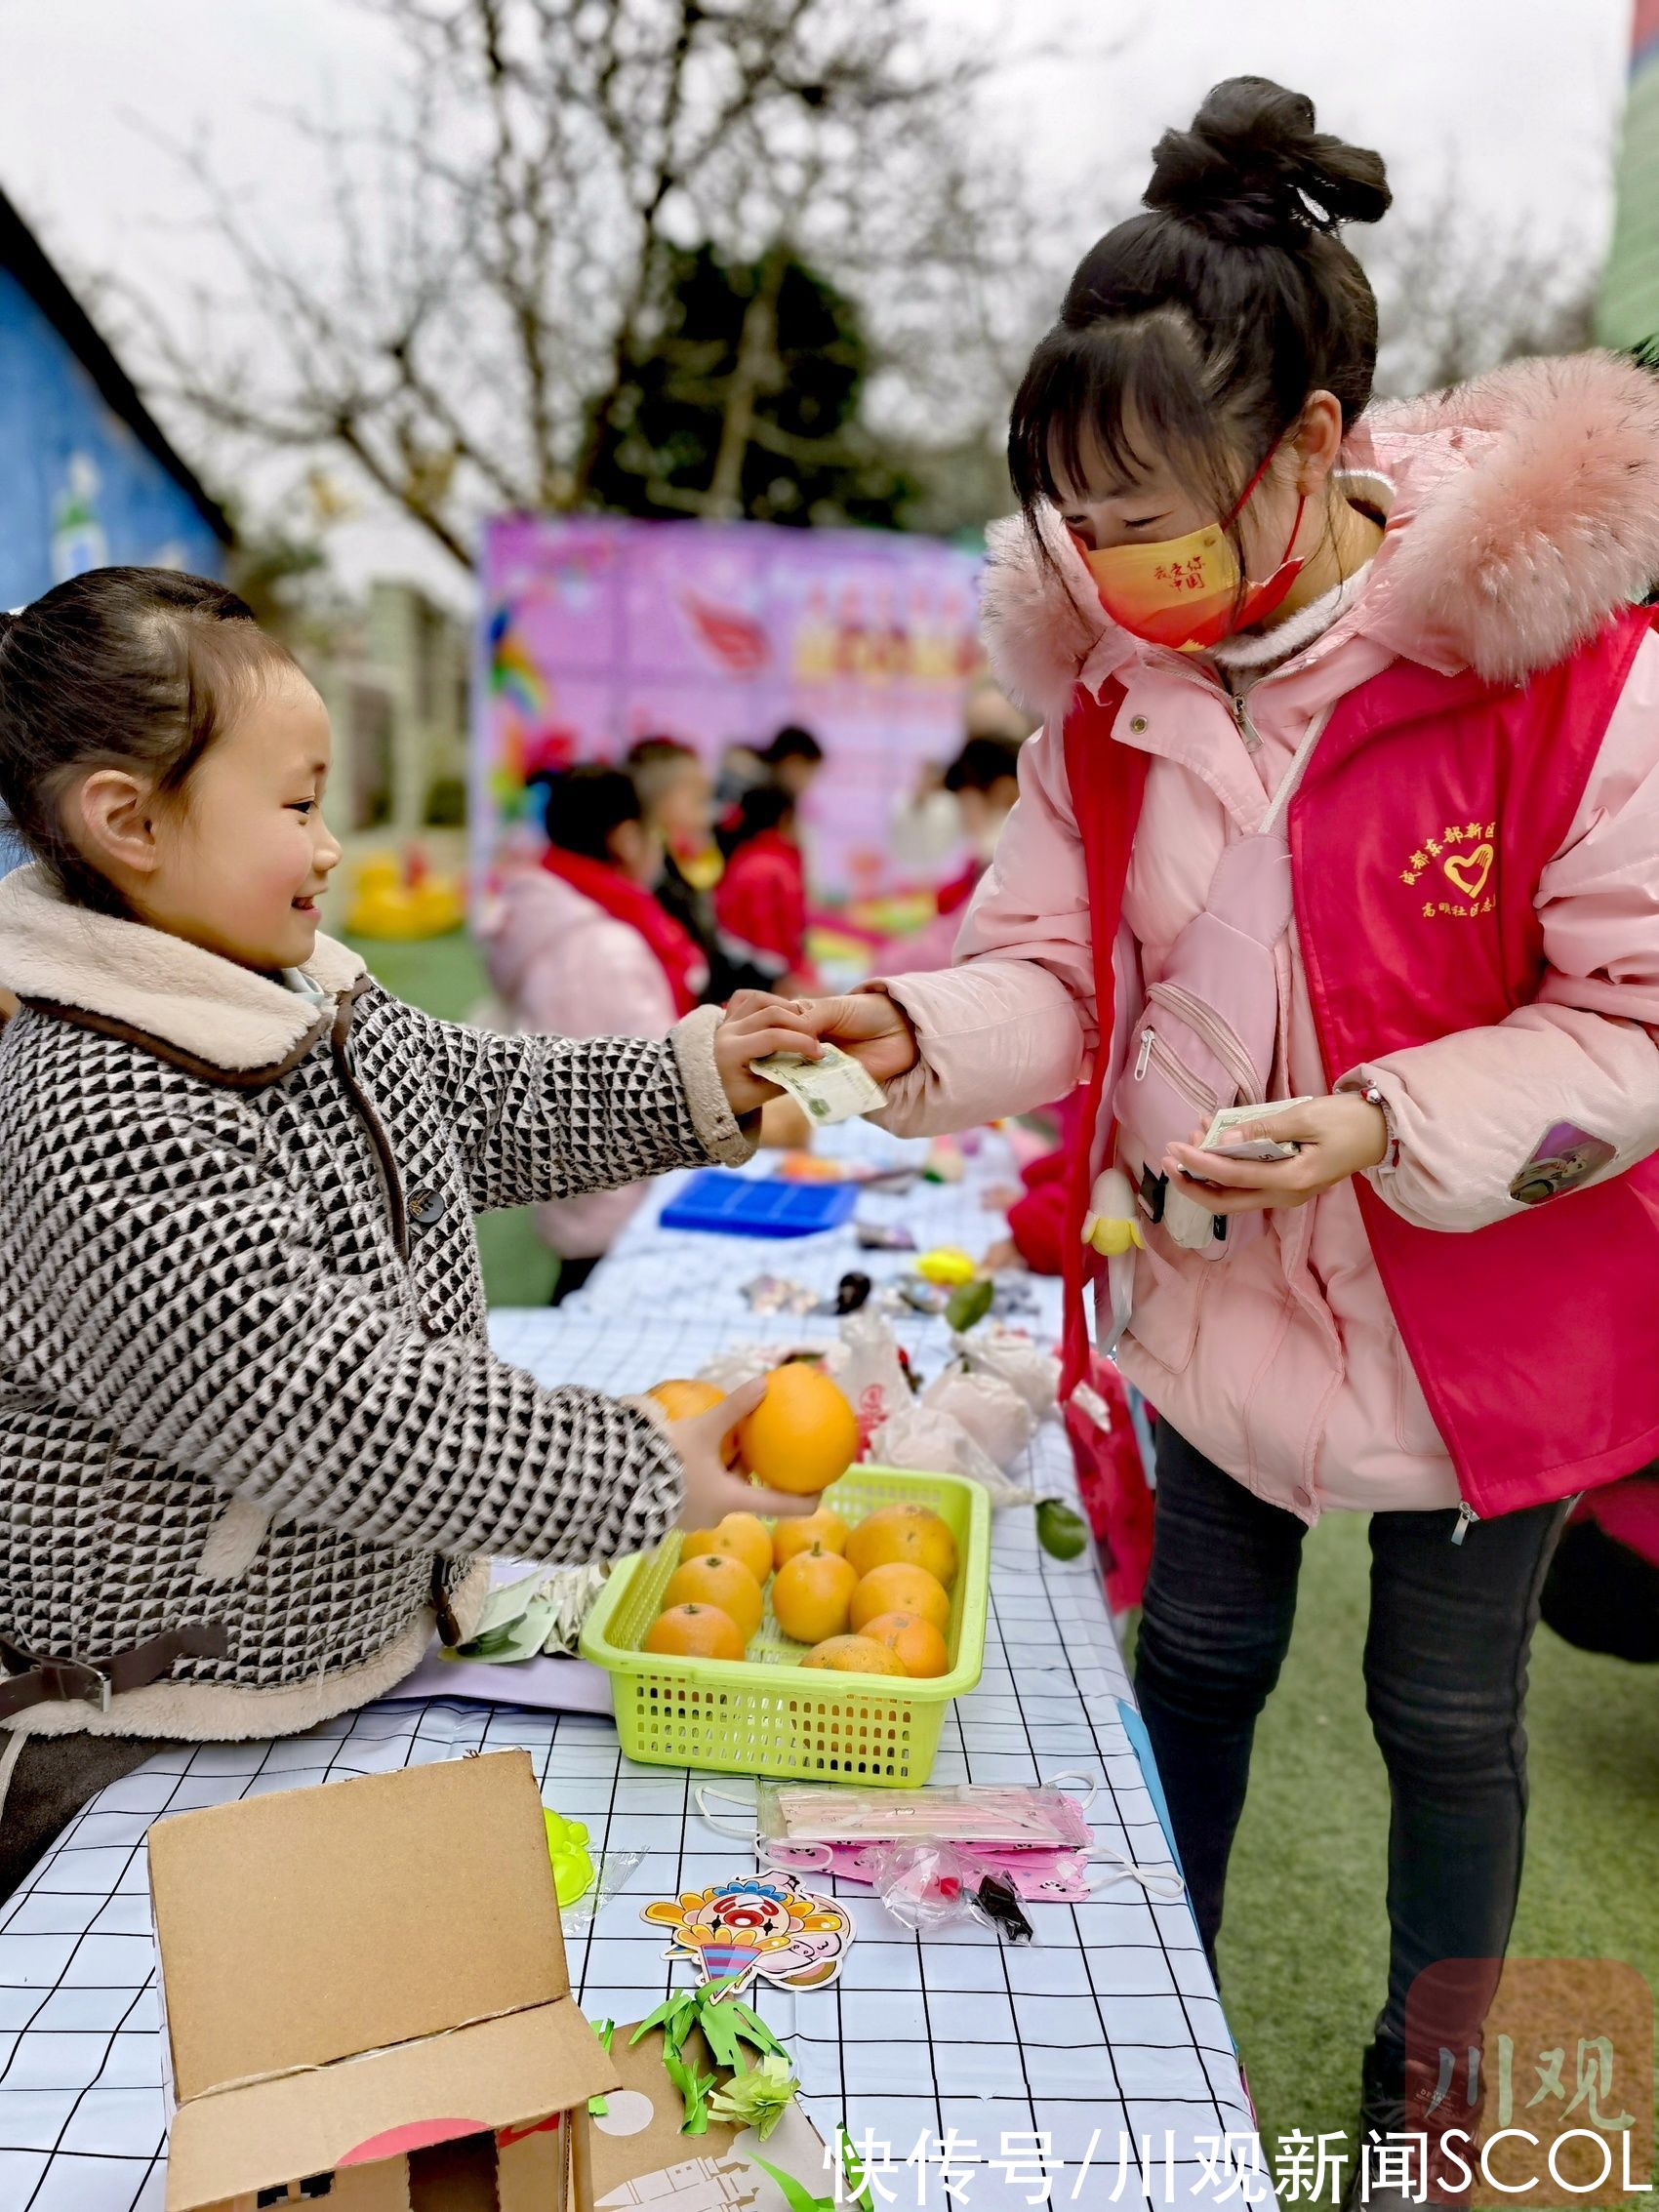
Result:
1108,781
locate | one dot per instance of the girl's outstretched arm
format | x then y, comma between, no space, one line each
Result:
541,1117
174,1293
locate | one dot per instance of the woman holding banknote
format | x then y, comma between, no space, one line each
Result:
1345,813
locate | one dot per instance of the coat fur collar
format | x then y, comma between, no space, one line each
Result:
1524,513
159,989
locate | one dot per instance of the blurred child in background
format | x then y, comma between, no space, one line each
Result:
581,947
677,803
981,783
761,899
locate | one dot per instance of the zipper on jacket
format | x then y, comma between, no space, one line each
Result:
1465,1514
1208,1026
1156,1054
1247,729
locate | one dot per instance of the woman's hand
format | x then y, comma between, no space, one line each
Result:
871,1028
1339,1137
712,1489
756,1024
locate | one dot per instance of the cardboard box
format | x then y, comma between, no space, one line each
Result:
366,1999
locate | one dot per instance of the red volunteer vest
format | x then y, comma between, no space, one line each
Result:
1428,811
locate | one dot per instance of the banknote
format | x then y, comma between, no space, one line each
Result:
835,1088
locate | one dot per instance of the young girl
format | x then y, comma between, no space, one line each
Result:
253,1441
1348,793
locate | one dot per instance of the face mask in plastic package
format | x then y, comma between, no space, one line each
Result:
1002,1815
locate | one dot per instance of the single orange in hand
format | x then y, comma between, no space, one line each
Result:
854,1655
802,1435
694,1632
914,1534
900,1588
920,1648
823,1527
715,1578
811,1595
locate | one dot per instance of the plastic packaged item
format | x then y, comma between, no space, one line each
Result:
615,1867
929,1439
1006,1814
925,1886
1013,1358
992,1412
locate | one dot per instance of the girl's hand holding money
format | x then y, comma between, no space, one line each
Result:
872,1027
756,1024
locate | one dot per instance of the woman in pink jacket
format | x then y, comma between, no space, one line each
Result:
1347,793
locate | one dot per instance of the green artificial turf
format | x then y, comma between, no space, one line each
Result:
445,976
1305,1948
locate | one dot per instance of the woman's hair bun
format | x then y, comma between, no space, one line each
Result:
1253,171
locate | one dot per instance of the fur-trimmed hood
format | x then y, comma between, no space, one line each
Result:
161,990
1523,512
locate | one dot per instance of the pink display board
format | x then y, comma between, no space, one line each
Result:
597,631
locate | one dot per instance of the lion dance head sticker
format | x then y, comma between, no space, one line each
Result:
747,1928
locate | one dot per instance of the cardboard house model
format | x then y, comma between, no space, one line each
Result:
367,2004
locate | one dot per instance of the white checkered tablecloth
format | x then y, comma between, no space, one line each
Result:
1105,2032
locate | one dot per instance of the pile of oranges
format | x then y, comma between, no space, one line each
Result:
872,1599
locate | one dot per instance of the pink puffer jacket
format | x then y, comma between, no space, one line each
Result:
563,967
1521,511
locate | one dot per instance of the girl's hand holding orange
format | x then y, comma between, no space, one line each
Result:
712,1489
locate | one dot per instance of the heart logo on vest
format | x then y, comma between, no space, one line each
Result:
1469,870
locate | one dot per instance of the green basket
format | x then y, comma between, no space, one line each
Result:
756,1716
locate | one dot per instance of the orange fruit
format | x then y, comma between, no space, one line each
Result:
681,1399
811,1595
715,1578
914,1534
854,1655
802,1435
899,1587
920,1648
694,1632
823,1527
743,1536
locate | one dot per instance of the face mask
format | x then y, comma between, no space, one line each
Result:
1183,592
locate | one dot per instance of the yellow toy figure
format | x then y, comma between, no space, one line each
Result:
1111,1227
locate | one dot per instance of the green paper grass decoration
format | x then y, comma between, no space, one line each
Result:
757,2100
726,2025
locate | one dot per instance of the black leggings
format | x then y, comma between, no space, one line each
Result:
1445,1682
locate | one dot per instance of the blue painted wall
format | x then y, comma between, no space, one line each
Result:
77,489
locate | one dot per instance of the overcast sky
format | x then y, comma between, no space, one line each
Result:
1520,98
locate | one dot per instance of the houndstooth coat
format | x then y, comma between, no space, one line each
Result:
244,1378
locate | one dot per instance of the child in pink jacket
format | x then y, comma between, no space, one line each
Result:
579,948
1347,793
